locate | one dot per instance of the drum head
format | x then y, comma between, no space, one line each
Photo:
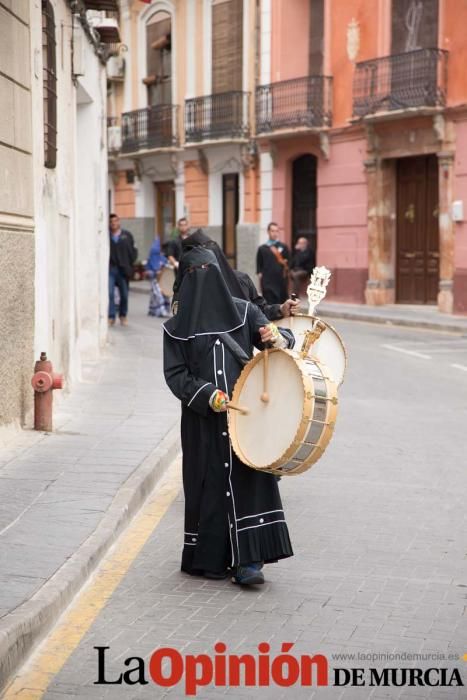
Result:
264,435
328,349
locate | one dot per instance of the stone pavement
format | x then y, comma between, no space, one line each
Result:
378,528
77,487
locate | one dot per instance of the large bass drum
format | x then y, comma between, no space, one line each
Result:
329,348
288,433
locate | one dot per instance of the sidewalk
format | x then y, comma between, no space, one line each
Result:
65,496
416,316
412,316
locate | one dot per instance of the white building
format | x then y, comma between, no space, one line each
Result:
53,191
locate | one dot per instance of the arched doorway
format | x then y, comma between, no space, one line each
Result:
304,199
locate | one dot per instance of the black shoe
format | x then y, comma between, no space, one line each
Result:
215,576
248,575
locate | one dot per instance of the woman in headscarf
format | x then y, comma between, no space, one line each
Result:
233,514
239,283
159,304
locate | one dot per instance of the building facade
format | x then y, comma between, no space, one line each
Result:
343,120
180,128
53,193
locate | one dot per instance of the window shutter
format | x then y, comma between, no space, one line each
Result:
227,46
49,84
414,25
316,37
159,61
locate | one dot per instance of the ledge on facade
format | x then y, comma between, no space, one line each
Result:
291,132
392,115
216,142
144,152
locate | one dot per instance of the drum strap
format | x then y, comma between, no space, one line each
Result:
234,348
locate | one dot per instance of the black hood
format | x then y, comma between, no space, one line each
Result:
198,239
205,303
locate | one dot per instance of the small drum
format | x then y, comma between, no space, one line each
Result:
328,349
290,432
166,281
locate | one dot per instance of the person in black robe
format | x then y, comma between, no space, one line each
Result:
233,514
239,283
272,267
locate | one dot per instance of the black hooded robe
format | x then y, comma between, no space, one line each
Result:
233,514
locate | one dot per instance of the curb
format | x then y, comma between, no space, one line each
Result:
26,626
395,321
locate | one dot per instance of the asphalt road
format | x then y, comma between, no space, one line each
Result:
378,528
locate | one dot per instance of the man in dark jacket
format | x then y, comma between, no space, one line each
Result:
122,256
303,262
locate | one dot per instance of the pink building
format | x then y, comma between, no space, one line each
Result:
361,117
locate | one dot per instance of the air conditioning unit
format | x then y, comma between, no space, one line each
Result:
116,68
114,138
106,28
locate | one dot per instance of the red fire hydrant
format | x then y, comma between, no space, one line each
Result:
44,381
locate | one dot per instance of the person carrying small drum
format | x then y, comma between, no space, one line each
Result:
234,520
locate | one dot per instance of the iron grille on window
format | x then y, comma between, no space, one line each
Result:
401,81
49,84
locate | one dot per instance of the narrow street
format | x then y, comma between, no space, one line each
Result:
378,528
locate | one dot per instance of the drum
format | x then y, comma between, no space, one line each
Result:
329,347
287,434
166,280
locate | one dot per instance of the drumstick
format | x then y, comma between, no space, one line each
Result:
265,396
241,409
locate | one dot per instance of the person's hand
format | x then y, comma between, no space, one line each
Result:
289,307
266,334
219,401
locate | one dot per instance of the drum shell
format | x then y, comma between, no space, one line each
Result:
302,453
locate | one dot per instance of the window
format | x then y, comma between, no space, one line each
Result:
49,84
227,45
159,60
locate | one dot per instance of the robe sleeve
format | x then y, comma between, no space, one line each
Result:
192,391
256,319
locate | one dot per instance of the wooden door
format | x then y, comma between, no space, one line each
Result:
417,272
230,216
304,199
165,209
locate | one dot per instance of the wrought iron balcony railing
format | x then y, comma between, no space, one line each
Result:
403,81
220,116
149,128
300,102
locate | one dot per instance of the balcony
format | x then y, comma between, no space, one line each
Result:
110,5
407,81
297,104
151,128
222,116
